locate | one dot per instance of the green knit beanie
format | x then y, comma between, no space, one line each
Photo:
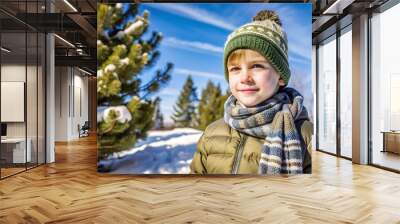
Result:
264,35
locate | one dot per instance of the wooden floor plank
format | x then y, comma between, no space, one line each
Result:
71,191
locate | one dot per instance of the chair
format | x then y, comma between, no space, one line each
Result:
84,130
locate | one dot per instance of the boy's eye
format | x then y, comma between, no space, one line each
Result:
234,69
257,66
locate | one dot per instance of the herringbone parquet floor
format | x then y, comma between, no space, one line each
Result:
71,191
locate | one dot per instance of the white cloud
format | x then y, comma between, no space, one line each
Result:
299,60
182,71
174,42
195,14
168,92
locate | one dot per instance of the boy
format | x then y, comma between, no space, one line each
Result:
265,129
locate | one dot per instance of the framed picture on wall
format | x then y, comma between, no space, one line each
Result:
12,101
189,88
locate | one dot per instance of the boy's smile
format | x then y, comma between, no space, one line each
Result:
248,90
252,79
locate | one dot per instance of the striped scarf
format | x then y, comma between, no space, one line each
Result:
273,120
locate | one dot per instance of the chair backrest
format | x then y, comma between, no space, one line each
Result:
86,125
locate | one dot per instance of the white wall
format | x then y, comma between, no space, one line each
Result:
80,102
61,103
71,94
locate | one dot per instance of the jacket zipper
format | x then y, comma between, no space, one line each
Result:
239,153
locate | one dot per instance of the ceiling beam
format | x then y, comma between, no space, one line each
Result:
78,61
89,30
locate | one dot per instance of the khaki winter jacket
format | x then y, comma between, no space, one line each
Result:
220,147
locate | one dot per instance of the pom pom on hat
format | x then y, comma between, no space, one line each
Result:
267,15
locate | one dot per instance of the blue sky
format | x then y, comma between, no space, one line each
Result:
194,35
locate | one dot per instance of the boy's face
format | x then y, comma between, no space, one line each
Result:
252,79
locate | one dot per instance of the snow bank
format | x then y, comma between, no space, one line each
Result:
162,152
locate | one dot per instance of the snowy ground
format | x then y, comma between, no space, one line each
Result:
162,152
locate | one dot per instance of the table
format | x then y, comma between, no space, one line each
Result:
15,148
391,141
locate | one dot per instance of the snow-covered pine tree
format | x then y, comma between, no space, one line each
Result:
185,108
125,112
